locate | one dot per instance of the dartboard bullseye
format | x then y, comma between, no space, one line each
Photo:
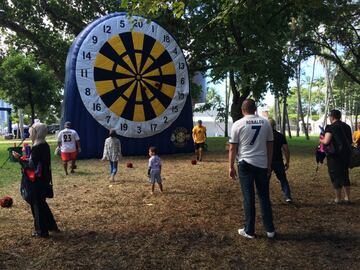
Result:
132,76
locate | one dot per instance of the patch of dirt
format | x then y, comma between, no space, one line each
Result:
192,225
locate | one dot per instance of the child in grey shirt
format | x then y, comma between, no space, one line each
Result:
154,171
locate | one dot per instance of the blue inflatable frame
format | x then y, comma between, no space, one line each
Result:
92,134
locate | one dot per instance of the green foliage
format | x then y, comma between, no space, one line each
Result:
214,102
259,42
29,86
317,99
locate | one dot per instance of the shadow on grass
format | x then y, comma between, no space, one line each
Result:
311,237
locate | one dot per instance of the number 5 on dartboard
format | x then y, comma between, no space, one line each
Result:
257,130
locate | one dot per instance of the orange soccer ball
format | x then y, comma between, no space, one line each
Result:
193,162
129,165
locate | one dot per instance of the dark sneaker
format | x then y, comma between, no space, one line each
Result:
40,234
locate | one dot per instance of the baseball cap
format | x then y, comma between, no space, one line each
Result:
67,124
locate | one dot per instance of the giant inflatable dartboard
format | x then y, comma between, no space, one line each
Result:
130,75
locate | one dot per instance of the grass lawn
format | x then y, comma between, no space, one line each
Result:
192,225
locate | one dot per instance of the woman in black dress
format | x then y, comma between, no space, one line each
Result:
36,183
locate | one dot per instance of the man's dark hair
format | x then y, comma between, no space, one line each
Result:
335,114
112,133
153,149
248,106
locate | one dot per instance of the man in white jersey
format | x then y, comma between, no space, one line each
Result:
252,143
69,144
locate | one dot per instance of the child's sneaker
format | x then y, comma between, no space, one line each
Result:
244,234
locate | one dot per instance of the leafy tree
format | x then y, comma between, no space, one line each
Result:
213,102
318,98
259,43
28,86
330,29
48,27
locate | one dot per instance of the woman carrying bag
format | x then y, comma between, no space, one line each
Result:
36,183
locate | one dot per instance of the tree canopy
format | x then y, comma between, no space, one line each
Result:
29,86
259,43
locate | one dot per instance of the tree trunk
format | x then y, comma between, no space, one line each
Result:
287,121
297,106
227,99
300,111
21,122
310,89
32,105
238,99
277,112
283,127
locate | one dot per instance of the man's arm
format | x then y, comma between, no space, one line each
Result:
59,139
232,154
286,151
78,146
269,148
326,139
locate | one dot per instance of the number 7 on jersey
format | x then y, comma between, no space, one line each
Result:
257,130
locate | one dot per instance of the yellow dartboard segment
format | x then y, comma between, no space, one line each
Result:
117,44
118,106
103,62
157,50
168,90
138,93
138,57
168,69
129,63
138,40
139,114
157,106
103,87
121,70
147,64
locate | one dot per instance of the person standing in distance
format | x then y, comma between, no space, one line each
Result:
199,137
252,141
69,144
338,140
277,165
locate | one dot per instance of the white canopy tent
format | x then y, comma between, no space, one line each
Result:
214,128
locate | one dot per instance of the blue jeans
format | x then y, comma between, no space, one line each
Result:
250,175
113,167
279,170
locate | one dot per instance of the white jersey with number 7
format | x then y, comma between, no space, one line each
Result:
251,133
68,137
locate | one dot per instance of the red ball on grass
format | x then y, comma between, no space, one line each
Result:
193,162
129,165
6,202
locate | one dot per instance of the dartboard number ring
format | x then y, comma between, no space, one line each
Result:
132,76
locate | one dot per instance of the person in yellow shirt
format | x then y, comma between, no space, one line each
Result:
199,137
356,137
